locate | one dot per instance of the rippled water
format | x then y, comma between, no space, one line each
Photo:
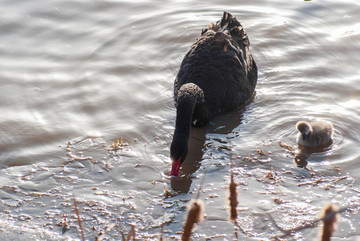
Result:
76,75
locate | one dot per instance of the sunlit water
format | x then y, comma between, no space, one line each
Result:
75,75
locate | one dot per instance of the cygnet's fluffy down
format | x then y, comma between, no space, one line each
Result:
313,134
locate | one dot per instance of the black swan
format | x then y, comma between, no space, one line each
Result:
314,134
217,74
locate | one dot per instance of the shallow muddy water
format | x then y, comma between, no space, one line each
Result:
77,75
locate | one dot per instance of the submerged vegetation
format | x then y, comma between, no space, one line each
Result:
270,177
107,212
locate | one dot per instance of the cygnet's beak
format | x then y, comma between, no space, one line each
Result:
175,168
304,136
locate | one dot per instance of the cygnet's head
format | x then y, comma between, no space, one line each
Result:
304,128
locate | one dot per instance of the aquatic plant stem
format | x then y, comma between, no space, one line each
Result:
78,218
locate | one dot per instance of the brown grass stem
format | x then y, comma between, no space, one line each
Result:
78,218
132,232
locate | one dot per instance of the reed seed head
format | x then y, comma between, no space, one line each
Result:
233,202
330,217
195,215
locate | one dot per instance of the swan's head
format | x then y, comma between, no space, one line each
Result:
304,128
178,152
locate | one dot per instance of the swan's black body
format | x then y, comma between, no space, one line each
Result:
217,75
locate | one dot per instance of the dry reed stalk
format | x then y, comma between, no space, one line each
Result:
162,231
330,217
290,148
78,218
132,232
336,167
194,216
122,235
233,202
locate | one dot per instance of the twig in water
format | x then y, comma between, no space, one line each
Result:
290,148
122,235
78,218
161,232
336,167
328,216
132,232
334,180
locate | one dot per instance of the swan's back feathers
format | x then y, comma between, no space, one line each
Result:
220,63
216,75
230,25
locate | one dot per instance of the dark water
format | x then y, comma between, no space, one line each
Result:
76,75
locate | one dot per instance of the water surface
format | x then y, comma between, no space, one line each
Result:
75,76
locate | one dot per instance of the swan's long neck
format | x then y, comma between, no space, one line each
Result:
184,115
187,97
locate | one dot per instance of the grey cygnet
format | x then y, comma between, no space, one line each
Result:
317,133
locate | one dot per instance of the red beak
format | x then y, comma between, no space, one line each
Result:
175,168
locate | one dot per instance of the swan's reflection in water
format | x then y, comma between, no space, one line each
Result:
228,122
301,158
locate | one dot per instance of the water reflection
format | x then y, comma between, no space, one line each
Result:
305,153
106,69
223,124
